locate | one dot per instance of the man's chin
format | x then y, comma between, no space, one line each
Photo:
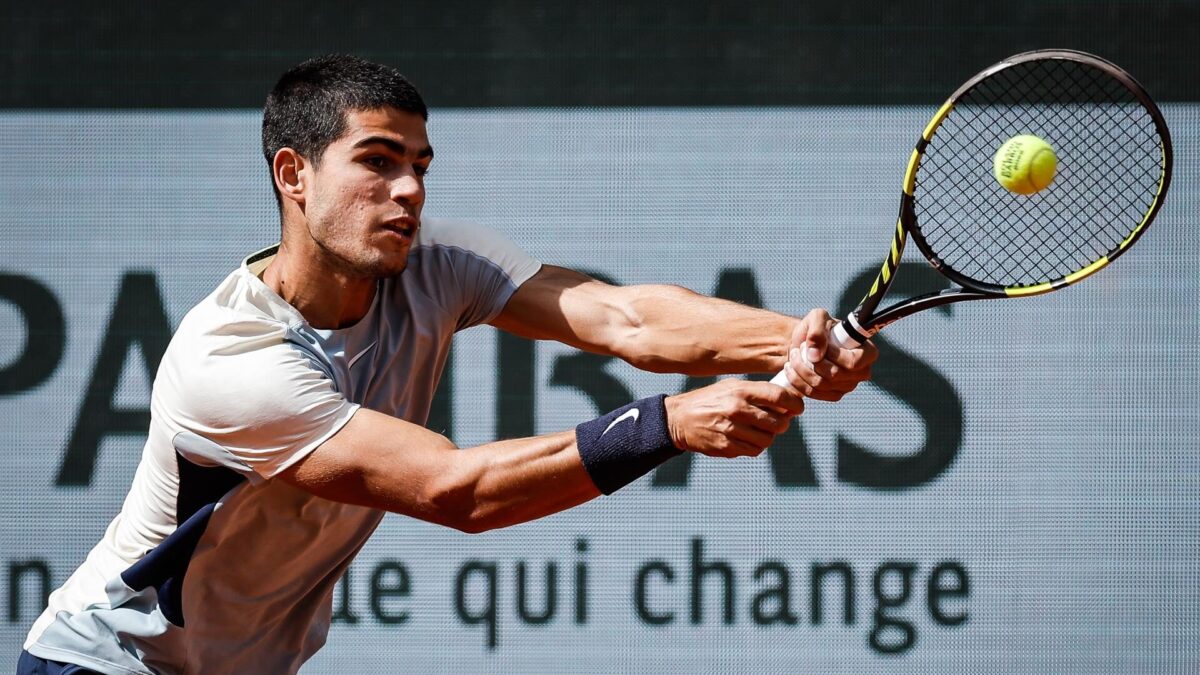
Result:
385,269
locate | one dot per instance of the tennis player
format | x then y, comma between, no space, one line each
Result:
287,411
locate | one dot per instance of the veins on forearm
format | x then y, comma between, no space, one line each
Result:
673,330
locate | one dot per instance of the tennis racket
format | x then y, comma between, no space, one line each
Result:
1114,168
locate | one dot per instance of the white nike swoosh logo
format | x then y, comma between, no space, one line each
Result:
360,355
631,414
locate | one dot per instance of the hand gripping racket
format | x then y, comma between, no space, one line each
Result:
1114,168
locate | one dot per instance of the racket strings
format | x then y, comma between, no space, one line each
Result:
1109,167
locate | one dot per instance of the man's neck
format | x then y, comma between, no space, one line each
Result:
325,296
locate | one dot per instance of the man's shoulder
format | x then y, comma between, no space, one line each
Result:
448,239
230,335
453,232
228,369
234,313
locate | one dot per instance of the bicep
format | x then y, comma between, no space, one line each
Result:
378,461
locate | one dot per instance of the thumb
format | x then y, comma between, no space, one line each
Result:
816,343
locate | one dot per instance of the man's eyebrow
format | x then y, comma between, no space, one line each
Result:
393,145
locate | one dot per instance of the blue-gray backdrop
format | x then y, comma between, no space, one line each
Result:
1015,492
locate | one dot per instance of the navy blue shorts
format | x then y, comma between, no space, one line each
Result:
29,664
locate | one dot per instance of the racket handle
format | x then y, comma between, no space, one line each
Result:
838,336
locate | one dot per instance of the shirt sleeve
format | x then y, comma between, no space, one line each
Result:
261,406
470,270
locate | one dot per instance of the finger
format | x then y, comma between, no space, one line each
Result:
800,378
852,359
727,446
870,353
817,337
803,378
814,325
832,374
740,448
833,390
831,395
799,361
765,393
834,378
768,421
789,378
750,435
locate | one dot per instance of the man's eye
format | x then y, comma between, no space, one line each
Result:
376,162
420,170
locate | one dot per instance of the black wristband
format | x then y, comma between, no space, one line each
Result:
627,443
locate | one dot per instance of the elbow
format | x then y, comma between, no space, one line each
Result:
654,334
472,523
453,502
689,360
472,526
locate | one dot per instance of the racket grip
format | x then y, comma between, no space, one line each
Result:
837,336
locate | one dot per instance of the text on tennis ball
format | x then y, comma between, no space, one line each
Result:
1025,164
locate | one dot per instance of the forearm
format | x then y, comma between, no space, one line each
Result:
659,328
671,329
381,462
515,481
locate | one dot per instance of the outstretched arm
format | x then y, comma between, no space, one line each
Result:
382,462
670,329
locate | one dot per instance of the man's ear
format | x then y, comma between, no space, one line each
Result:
290,171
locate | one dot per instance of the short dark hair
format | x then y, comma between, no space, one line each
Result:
307,108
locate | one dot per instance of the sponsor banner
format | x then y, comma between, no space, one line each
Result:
1015,491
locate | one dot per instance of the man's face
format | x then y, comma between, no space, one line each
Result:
364,203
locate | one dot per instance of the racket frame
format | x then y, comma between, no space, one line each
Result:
865,320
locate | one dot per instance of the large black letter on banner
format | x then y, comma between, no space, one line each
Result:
790,461
45,330
441,408
586,373
138,318
516,397
916,384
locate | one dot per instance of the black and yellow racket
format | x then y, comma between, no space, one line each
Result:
1035,174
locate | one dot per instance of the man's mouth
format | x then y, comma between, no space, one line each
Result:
405,225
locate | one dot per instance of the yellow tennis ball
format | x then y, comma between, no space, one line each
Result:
1025,164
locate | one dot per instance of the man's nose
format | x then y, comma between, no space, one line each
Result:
408,189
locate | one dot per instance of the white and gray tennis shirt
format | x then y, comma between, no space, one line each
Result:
211,566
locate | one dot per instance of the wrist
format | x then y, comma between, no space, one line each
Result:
625,444
671,410
795,332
